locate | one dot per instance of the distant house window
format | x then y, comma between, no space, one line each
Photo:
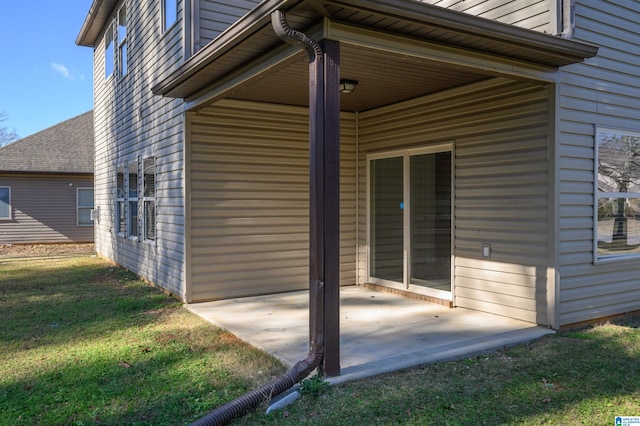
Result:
5,203
84,200
169,13
617,190
120,196
109,59
132,198
149,198
122,40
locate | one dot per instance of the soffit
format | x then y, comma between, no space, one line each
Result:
252,36
381,81
97,17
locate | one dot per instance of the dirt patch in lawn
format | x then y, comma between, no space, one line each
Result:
37,250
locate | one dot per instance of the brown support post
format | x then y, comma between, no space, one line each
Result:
316,207
324,215
331,207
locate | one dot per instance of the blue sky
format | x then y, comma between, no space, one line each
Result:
44,77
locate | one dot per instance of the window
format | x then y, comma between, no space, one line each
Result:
5,203
169,13
109,64
617,188
84,201
122,40
149,198
127,200
120,195
132,197
117,31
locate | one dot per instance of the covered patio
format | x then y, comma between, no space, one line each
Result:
379,332
422,73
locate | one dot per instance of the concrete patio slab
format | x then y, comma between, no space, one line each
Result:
379,332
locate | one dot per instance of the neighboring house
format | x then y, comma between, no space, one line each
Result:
469,148
46,185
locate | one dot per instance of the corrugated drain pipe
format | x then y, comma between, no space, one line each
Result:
247,402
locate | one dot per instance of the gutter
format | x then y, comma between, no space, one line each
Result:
247,402
244,27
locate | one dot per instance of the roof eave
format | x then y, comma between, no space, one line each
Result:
565,50
237,32
94,22
471,24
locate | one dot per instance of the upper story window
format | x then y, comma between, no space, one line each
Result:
109,58
617,190
115,53
169,13
122,40
5,203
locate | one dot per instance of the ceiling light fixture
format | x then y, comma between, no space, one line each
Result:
347,86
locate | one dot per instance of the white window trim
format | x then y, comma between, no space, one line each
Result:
110,30
597,194
78,206
406,154
117,43
10,217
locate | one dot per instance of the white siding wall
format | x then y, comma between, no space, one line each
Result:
500,134
537,15
217,16
250,199
604,91
131,123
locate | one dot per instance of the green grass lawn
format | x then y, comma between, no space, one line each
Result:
82,342
585,377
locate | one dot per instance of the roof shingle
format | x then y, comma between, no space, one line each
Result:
66,147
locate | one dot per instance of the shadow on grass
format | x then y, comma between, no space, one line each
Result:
86,343
583,377
158,383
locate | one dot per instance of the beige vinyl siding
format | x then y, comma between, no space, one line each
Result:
44,209
131,124
603,91
250,200
500,134
217,16
532,14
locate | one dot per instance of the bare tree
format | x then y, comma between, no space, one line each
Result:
6,135
619,160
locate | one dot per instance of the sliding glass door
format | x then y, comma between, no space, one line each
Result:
410,220
387,219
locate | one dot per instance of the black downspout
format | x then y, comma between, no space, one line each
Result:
247,402
316,181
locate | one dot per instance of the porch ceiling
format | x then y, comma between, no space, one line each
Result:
445,49
383,78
